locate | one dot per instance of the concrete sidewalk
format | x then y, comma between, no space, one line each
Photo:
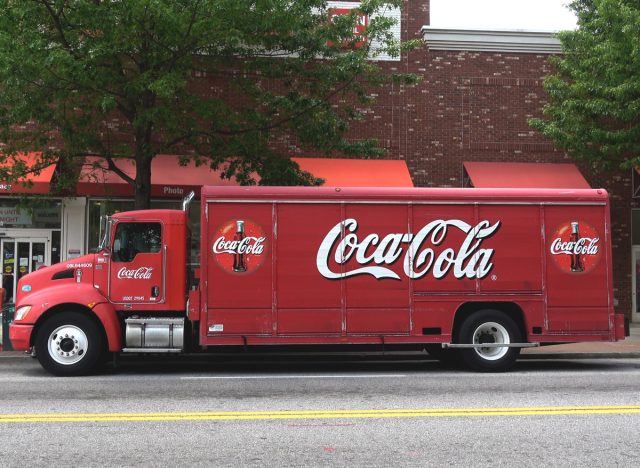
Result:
628,348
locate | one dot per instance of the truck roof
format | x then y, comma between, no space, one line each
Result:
402,194
167,215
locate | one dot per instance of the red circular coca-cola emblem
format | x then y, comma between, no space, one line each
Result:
576,247
239,246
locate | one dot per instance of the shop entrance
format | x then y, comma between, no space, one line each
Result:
635,292
22,255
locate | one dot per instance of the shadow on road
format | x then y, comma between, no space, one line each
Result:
314,363
323,364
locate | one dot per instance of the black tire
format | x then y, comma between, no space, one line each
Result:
489,326
69,344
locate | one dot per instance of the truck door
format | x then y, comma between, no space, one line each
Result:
577,273
137,273
239,268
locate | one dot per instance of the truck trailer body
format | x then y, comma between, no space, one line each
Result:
471,273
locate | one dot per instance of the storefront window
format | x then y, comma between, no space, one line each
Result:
635,227
55,246
45,214
635,251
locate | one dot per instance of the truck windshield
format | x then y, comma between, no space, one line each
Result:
105,232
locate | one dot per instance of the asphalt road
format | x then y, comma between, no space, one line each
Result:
316,412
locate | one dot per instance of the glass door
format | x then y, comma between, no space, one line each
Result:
20,257
635,290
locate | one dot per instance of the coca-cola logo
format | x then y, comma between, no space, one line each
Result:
135,273
248,245
420,252
576,247
239,246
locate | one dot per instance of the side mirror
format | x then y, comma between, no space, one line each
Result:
105,234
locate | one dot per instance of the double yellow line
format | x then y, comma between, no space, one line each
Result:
318,414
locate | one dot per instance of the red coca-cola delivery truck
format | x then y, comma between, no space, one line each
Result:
470,273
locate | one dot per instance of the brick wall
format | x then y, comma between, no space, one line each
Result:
474,106
470,106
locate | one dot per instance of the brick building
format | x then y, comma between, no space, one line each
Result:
478,92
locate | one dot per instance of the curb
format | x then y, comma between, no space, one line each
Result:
13,354
536,356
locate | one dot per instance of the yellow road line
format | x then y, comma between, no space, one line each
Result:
319,414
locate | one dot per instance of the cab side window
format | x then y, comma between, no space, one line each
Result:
134,238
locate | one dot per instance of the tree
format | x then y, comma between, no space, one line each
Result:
594,107
217,81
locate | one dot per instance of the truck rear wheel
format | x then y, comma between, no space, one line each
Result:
491,327
69,343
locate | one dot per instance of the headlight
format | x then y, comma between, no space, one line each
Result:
22,312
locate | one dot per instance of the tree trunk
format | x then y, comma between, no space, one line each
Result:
143,183
144,156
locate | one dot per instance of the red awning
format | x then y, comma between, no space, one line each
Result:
358,172
170,180
523,175
31,183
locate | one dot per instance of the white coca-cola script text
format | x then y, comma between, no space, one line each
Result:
583,246
248,245
138,273
419,250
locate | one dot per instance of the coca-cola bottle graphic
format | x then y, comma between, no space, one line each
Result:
576,260
239,261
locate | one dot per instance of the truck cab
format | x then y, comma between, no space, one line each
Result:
129,295
138,250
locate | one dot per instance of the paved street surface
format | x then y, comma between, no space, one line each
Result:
315,412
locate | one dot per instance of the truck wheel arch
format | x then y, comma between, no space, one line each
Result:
513,310
103,315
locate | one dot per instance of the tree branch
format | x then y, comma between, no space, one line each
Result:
58,25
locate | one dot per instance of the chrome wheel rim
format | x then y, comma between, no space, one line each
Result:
494,333
68,345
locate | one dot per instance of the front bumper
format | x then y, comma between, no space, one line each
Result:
20,336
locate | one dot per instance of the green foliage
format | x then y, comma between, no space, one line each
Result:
216,80
594,109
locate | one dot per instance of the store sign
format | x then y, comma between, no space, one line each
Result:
10,216
336,8
44,216
169,190
360,27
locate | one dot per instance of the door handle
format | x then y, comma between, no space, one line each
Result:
155,291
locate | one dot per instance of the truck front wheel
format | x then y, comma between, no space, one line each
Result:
489,327
69,343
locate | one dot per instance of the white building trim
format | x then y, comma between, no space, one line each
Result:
477,40
73,229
